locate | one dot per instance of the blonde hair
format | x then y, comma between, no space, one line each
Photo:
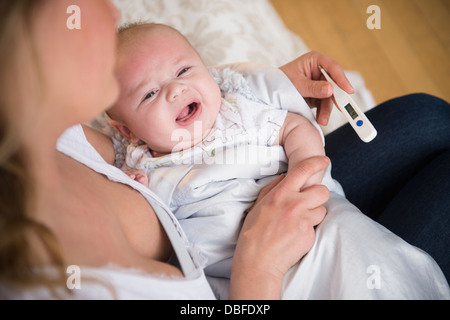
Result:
127,32
17,228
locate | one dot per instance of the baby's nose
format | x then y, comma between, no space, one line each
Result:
175,91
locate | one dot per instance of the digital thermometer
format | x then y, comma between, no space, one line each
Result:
354,115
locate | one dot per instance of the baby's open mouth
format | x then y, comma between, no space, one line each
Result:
188,114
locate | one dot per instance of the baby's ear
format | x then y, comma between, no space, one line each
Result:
124,131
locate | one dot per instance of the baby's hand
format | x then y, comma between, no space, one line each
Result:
137,175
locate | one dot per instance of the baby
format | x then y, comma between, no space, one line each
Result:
179,124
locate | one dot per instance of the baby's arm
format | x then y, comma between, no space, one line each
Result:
301,141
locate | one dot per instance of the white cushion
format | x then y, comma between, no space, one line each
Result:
222,31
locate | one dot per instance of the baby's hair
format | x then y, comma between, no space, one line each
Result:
123,30
130,25
136,24
128,31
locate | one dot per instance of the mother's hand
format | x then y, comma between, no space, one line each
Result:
305,75
277,232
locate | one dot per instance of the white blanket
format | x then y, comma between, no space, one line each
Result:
356,258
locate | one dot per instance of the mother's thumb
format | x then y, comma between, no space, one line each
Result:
317,89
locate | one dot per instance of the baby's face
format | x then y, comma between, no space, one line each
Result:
168,97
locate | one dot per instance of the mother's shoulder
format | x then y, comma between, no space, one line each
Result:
102,143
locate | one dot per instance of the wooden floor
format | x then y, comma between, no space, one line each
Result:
410,53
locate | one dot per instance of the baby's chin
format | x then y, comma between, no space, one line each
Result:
195,141
182,146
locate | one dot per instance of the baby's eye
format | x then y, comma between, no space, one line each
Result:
150,94
183,71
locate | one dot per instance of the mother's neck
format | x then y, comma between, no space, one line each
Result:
39,146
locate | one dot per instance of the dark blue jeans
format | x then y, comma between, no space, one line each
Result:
402,178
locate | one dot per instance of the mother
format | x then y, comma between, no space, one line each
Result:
56,211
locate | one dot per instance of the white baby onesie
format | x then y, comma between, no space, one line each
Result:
210,186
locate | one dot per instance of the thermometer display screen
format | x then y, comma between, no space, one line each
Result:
351,111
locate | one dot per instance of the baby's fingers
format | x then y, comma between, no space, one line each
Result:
142,179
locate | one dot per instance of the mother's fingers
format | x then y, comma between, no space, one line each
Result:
300,174
335,70
315,196
319,214
324,111
308,211
272,185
